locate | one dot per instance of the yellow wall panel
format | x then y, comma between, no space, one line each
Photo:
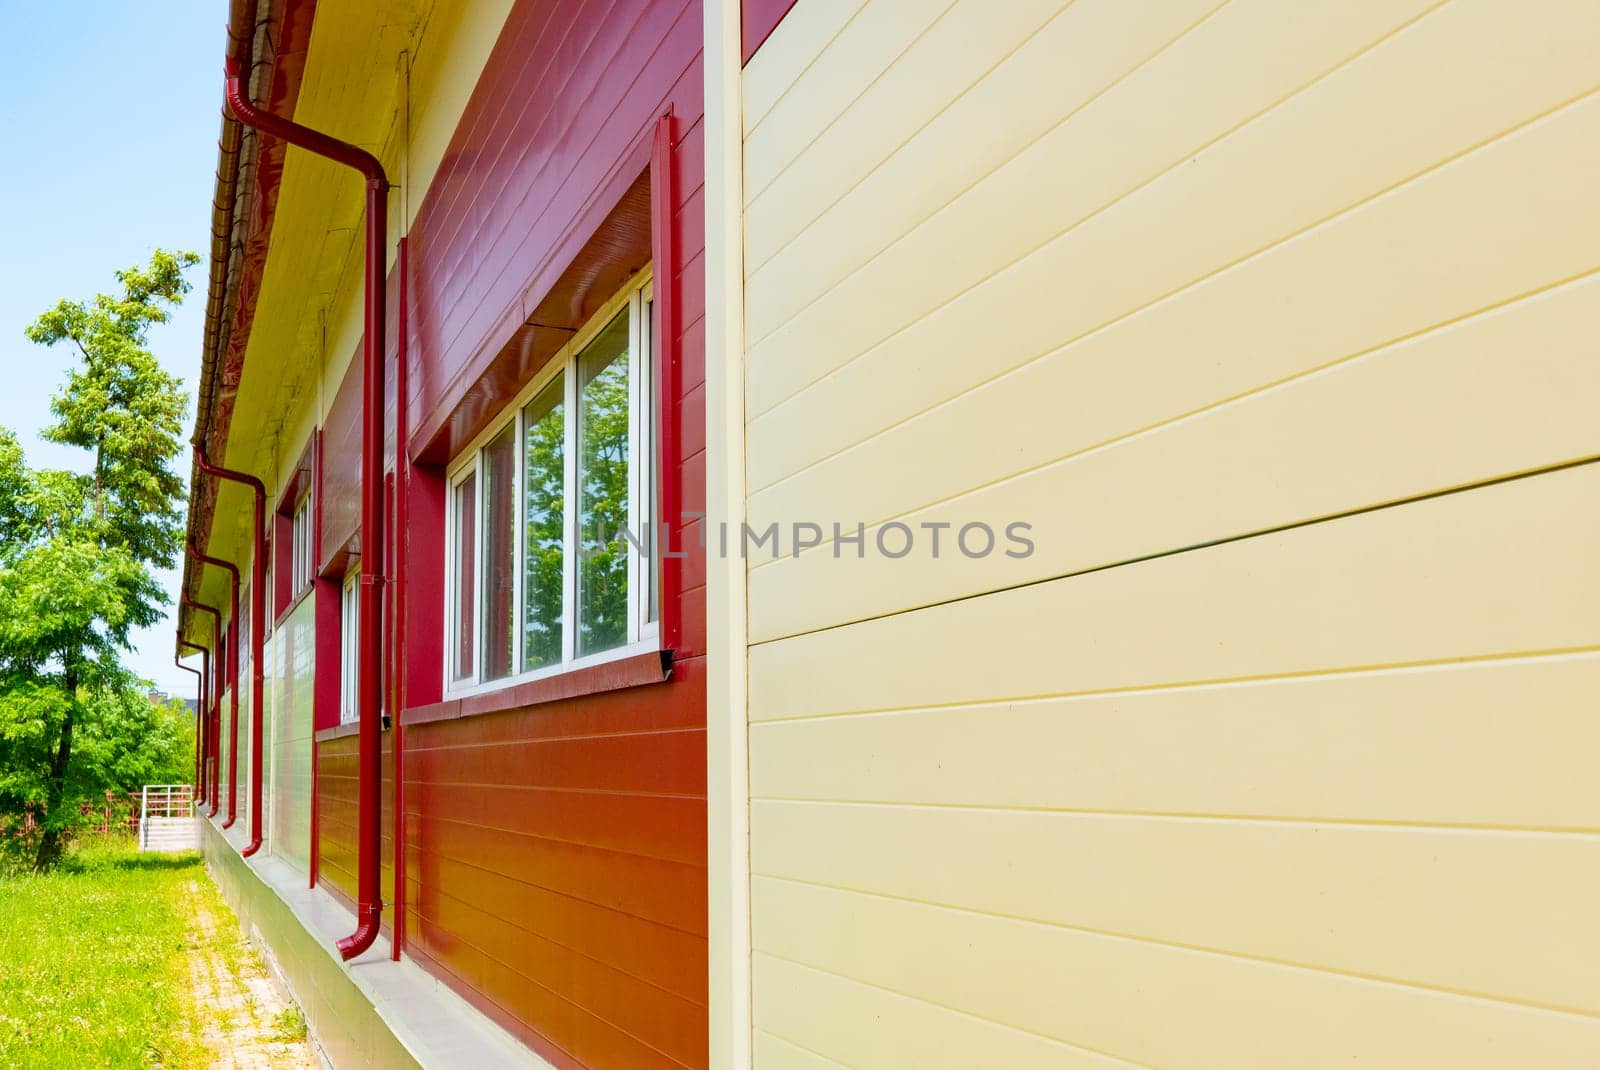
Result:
791,48
1131,133
1149,1003
775,1053
940,66
1505,569
1505,743
1276,323
864,47
1483,229
1504,392
862,1026
1446,908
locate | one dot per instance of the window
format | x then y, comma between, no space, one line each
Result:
349,640
550,535
301,550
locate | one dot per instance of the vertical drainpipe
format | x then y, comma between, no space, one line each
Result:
663,206
369,798
258,627
231,675
199,707
397,630
212,732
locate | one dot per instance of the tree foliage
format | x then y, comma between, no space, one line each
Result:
77,557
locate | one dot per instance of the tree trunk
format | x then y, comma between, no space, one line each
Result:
50,841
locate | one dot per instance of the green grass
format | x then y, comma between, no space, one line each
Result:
93,970
290,1025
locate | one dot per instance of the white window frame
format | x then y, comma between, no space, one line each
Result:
300,546
643,631
349,640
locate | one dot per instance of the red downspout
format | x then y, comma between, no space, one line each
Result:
397,673
212,733
663,207
369,798
199,706
232,677
258,626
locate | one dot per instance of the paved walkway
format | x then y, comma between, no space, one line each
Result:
241,1004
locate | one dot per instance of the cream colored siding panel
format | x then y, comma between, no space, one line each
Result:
1405,904
1130,134
1311,157
1507,391
853,60
861,1026
1500,570
1276,322
789,51
1152,1004
1505,743
937,69
1090,47
775,1053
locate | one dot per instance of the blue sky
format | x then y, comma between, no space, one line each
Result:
109,114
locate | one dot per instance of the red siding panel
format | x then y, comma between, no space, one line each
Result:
761,17
555,853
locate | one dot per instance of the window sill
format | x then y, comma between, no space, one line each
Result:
292,605
635,670
341,731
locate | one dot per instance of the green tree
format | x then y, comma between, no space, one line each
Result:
78,552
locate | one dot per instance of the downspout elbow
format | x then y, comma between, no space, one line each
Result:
369,919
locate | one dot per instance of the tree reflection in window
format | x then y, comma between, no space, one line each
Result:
603,489
544,475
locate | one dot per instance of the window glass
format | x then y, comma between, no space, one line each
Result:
544,514
498,472
603,433
349,639
300,573
465,578
657,526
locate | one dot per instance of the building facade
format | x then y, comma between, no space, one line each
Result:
917,533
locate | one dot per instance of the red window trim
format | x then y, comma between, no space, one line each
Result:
636,670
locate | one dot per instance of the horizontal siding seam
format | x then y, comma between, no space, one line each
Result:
1181,685
1277,529
799,75
817,1055
505,122
603,792
1175,165
556,839
476,995
613,1026
547,938
413,848
1253,394
1087,1050
1200,817
751,270
1197,949
751,196
468,315
415,748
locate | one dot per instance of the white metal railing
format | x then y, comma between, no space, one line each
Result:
163,800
